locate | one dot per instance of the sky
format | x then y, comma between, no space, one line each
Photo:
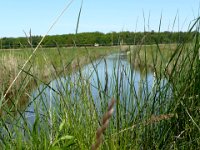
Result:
19,16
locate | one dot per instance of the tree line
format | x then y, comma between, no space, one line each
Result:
102,39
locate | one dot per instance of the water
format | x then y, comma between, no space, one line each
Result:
99,81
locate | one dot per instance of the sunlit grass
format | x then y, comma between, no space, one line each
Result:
165,115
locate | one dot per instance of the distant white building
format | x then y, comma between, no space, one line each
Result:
96,44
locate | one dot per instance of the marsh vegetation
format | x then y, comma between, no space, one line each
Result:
159,114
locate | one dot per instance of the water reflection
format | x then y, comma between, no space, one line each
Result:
112,76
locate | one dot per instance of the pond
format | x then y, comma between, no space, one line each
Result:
99,81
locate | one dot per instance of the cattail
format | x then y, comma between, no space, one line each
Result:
158,118
104,125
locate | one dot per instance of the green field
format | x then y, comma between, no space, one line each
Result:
45,58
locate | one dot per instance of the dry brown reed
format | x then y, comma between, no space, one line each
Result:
10,66
104,125
158,118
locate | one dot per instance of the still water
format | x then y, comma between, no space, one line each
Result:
111,76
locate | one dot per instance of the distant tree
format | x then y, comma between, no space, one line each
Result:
90,38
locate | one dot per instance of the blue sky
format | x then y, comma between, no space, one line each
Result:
100,15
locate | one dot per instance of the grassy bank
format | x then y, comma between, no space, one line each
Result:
45,58
158,57
46,64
